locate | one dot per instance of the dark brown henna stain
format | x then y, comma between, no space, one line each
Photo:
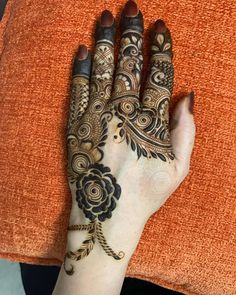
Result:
82,52
144,128
131,9
160,26
105,246
107,19
83,251
97,191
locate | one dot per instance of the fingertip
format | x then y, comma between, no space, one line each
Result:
82,61
106,19
82,52
105,29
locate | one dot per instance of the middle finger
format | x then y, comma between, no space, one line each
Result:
130,60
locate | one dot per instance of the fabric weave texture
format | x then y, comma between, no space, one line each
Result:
189,245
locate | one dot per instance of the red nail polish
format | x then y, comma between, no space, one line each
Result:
160,26
107,18
131,9
82,52
191,102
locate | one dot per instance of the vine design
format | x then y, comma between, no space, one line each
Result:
144,127
97,191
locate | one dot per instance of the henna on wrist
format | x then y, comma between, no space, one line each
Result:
94,104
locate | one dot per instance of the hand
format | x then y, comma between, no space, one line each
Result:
124,162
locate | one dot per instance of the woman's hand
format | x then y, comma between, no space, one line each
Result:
124,161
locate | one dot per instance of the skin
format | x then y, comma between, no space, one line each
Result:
145,182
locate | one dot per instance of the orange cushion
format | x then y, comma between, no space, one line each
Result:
189,244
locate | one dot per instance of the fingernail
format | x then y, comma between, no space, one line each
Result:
131,9
160,26
191,102
107,18
82,52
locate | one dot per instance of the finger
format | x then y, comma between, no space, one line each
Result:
183,132
103,63
80,86
158,88
130,60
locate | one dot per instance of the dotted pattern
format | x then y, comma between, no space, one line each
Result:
167,69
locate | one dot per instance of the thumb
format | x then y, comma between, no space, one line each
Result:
183,131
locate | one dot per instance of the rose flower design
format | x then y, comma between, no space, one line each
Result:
97,192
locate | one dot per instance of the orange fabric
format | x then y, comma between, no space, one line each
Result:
189,244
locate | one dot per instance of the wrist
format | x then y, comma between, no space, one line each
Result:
105,272
121,232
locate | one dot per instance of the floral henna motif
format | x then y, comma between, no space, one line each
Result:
128,74
143,131
145,128
96,189
97,192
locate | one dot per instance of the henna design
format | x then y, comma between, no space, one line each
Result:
96,189
143,127
103,242
128,74
80,88
80,227
97,192
143,131
83,251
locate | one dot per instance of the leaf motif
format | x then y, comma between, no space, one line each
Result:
101,143
155,48
83,251
87,245
139,152
160,39
166,46
133,145
103,121
134,39
127,139
122,132
154,155
171,156
144,152
104,137
162,157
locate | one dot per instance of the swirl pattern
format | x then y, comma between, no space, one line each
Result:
95,101
97,192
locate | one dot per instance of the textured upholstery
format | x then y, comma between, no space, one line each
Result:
189,245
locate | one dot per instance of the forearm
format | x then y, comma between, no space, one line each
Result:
98,273
95,274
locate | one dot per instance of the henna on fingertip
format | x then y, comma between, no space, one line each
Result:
162,42
132,18
82,62
105,29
